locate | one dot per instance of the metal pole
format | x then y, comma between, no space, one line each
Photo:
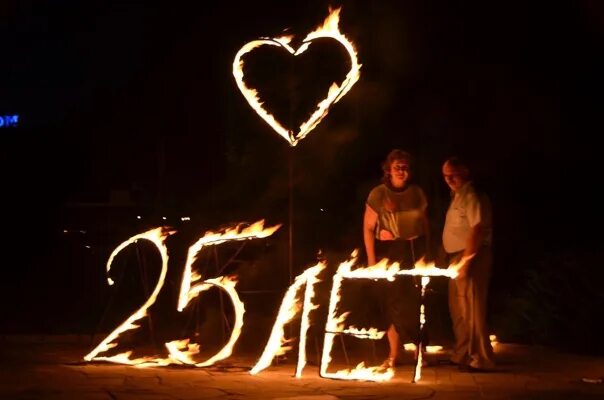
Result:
417,371
291,215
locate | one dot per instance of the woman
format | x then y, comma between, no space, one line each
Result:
396,227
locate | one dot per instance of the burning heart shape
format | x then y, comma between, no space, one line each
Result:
329,29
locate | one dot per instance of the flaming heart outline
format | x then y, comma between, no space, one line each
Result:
329,29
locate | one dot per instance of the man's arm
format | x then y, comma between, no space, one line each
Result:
474,240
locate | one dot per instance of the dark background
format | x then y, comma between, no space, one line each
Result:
131,110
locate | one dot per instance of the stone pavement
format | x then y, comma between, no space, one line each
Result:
51,371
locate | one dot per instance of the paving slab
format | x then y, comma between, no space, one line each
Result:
52,370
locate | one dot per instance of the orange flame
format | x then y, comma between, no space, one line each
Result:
191,287
188,292
177,351
335,323
364,333
228,285
329,29
494,341
288,309
422,322
157,236
454,268
180,351
308,306
425,270
429,349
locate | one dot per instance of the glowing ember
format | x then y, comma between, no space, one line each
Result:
329,29
157,237
289,308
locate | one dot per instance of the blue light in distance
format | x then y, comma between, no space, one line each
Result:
7,121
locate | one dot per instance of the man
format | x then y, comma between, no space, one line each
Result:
467,236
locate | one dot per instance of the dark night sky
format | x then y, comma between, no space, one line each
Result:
119,95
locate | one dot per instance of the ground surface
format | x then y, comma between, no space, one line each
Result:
51,369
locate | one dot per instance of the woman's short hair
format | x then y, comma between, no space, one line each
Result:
395,155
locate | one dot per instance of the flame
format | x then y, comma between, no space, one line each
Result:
418,367
364,333
177,352
381,270
228,285
180,351
421,268
422,322
329,29
288,309
191,287
156,236
176,348
428,349
177,356
335,323
188,292
309,294
426,271
494,341
454,268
